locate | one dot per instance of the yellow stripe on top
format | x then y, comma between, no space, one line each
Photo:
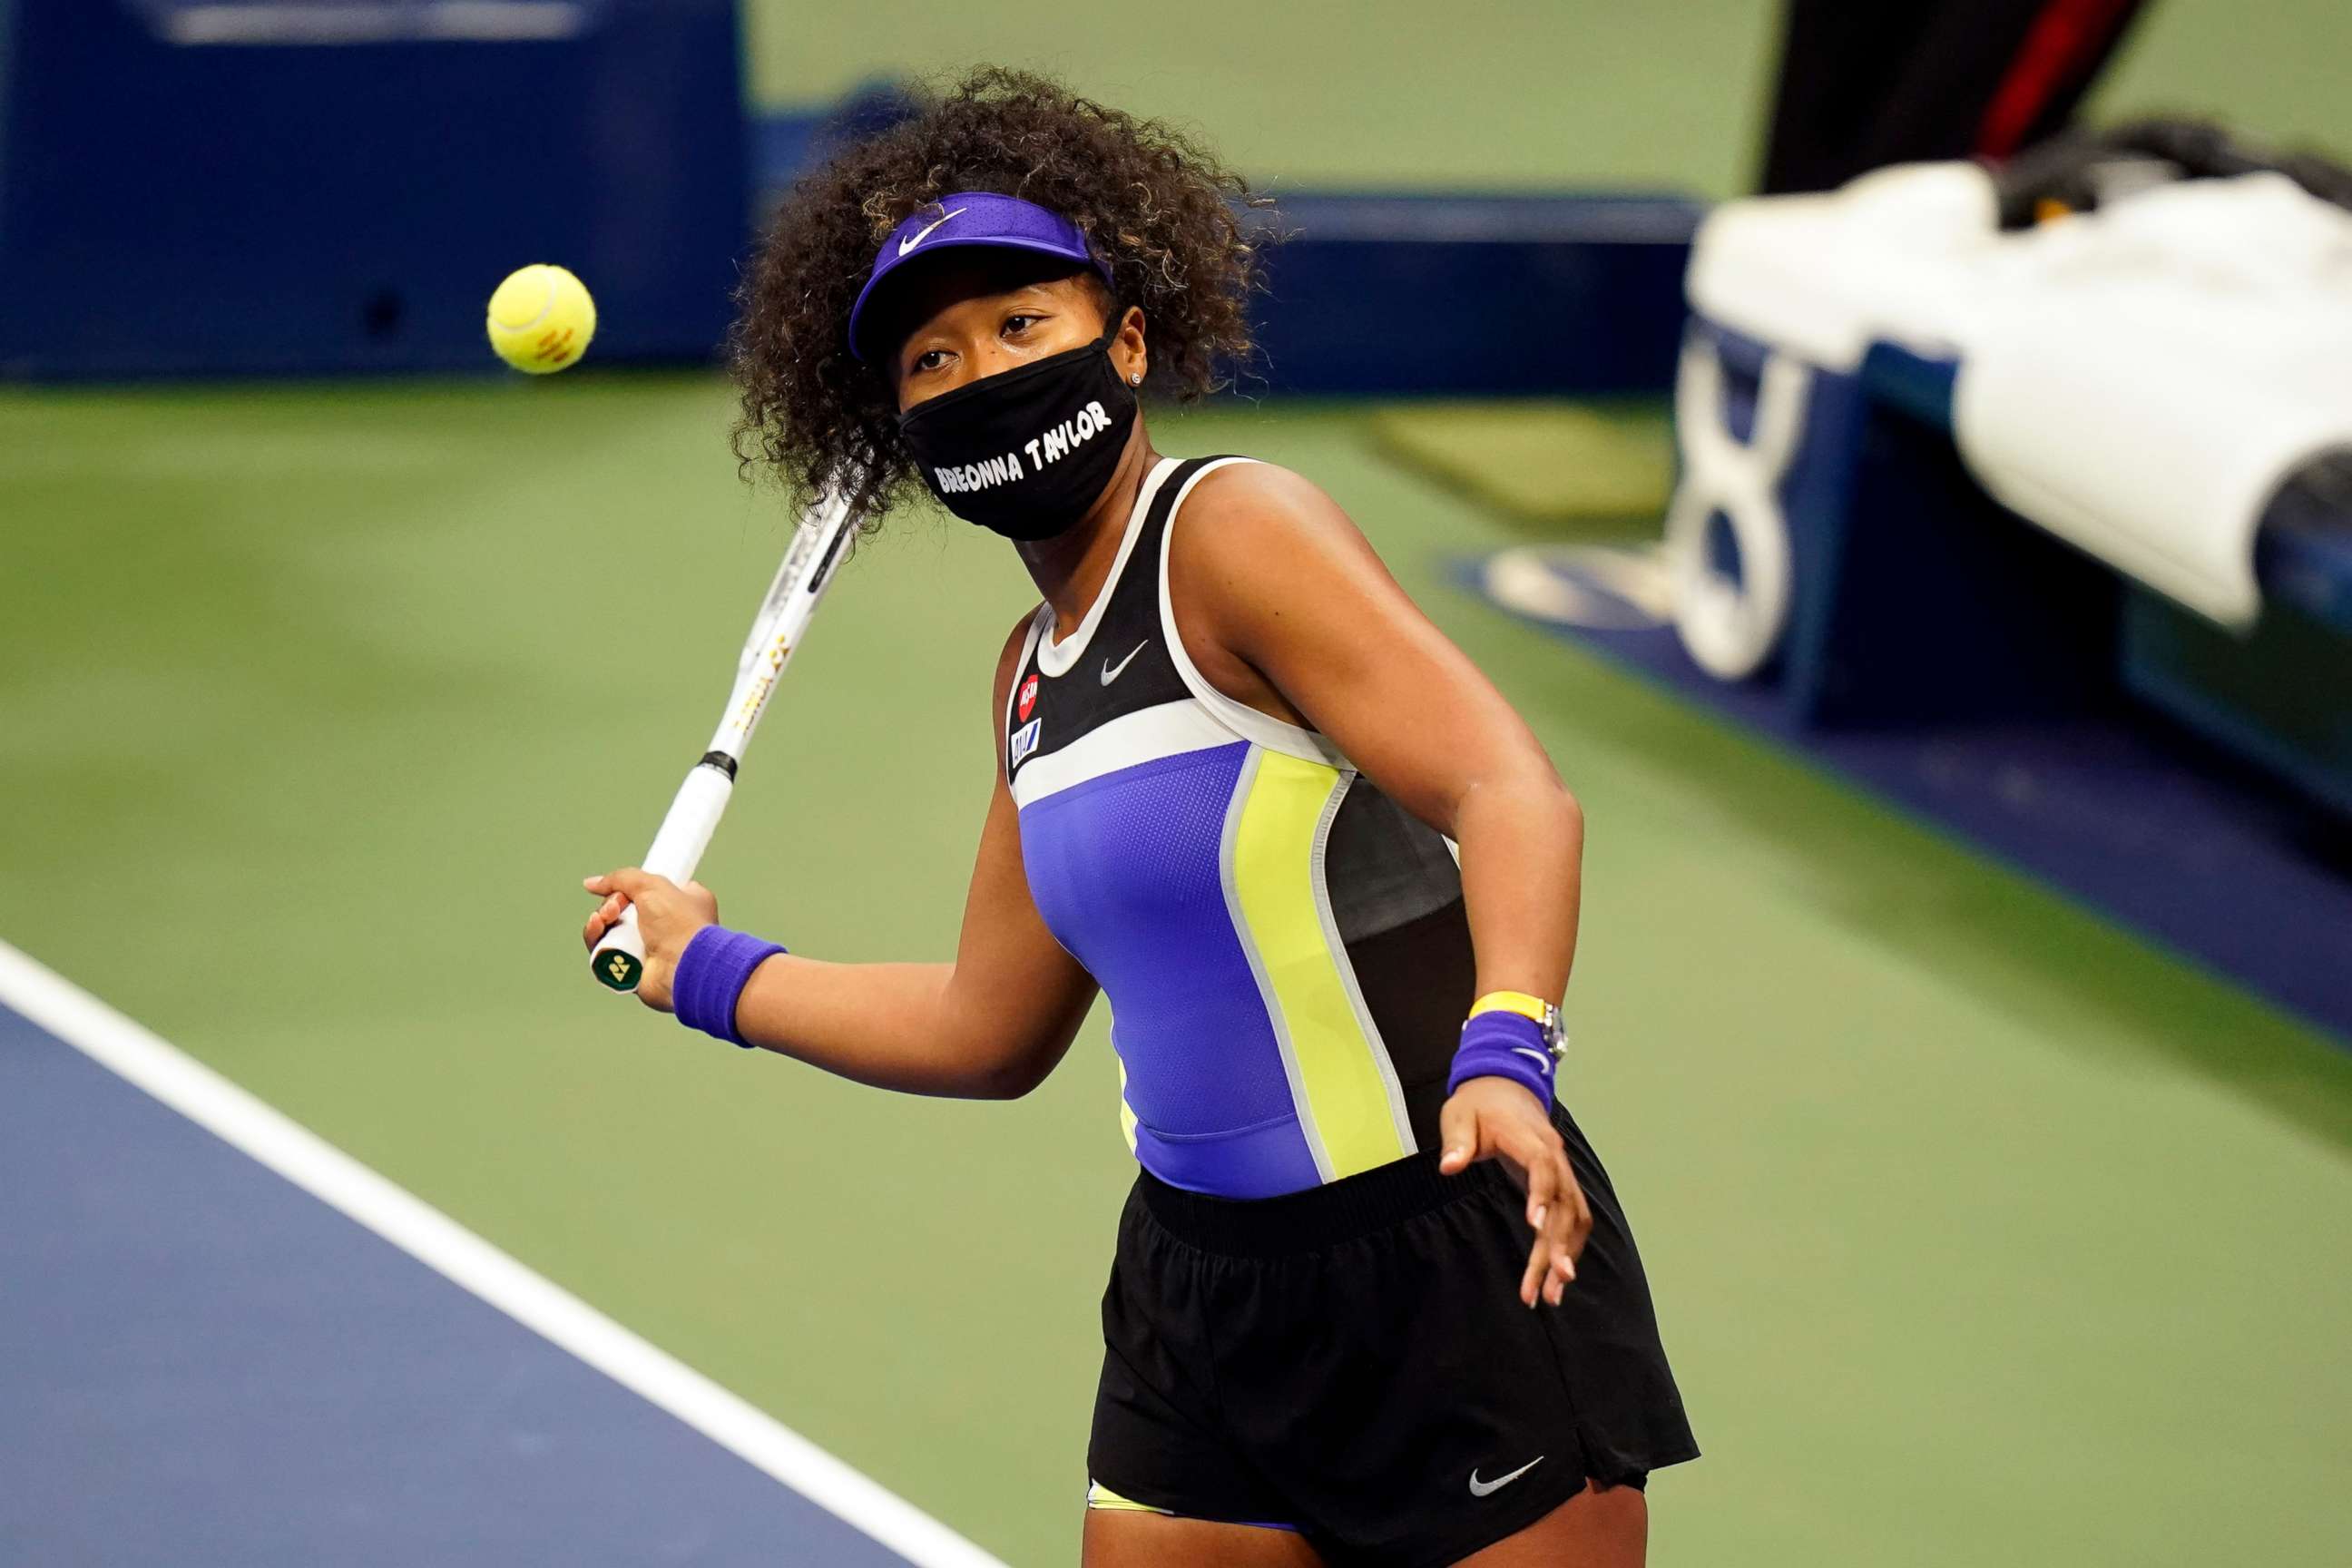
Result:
1128,1120
1099,1495
1274,882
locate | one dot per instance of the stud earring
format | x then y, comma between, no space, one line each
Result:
1135,380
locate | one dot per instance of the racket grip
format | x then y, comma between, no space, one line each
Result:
619,958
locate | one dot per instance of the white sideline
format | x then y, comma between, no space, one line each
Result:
441,1244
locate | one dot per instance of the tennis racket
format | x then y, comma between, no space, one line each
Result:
619,958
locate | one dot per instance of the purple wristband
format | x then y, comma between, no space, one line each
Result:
711,974
1504,1045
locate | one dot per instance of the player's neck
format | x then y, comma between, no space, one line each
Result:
1071,568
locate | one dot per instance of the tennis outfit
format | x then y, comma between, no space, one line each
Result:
1306,1325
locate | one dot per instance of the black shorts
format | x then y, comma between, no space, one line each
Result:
1354,1361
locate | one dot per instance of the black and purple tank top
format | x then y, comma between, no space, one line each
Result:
1284,948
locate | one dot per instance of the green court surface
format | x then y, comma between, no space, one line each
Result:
1559,467
1980,1231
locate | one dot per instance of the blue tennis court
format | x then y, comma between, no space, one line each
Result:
204,1362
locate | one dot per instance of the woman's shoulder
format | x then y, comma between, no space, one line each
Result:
1256,485
1257,519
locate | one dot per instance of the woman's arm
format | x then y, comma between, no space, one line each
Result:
1284,606
1302,620
990,1025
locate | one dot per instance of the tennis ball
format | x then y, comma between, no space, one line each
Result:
540,319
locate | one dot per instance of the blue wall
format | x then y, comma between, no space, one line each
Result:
282,204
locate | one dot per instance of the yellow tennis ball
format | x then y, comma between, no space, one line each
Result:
540,319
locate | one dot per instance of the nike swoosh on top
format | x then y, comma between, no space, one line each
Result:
1480,1488
1111,672
917,237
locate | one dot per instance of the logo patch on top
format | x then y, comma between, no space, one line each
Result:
1029,694
1025,741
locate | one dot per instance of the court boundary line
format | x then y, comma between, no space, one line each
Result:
253,1127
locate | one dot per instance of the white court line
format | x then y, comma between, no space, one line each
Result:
441,1244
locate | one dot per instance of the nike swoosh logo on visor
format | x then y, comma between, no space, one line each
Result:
1481,1488
1111,672
917,237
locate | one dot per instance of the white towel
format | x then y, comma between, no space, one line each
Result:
2155,372
2139,381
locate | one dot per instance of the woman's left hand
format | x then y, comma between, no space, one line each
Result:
1498,1119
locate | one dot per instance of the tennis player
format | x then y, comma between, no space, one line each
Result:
1374,1300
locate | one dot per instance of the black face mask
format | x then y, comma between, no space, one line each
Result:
1025,452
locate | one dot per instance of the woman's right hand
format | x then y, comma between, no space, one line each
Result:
668,916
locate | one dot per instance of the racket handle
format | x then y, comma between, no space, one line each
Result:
619,960
693,818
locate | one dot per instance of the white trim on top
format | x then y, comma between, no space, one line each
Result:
1163,730
449,1249
1243,720
1055,658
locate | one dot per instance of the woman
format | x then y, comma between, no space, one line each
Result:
1373,1299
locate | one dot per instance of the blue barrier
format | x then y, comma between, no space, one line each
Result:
335,185
221,187
1557,295
2276,695
1420,295
1916,598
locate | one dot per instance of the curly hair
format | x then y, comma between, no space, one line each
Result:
1157,207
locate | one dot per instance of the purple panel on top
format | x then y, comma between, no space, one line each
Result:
1124,870
1255,1163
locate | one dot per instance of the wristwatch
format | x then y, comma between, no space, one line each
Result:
1546,1015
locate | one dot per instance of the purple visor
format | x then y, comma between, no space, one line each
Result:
971,217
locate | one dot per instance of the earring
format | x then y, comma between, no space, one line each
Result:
1135,380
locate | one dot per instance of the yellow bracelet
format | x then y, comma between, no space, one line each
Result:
1517,1002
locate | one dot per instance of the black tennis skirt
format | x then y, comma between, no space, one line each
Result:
1354,1362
